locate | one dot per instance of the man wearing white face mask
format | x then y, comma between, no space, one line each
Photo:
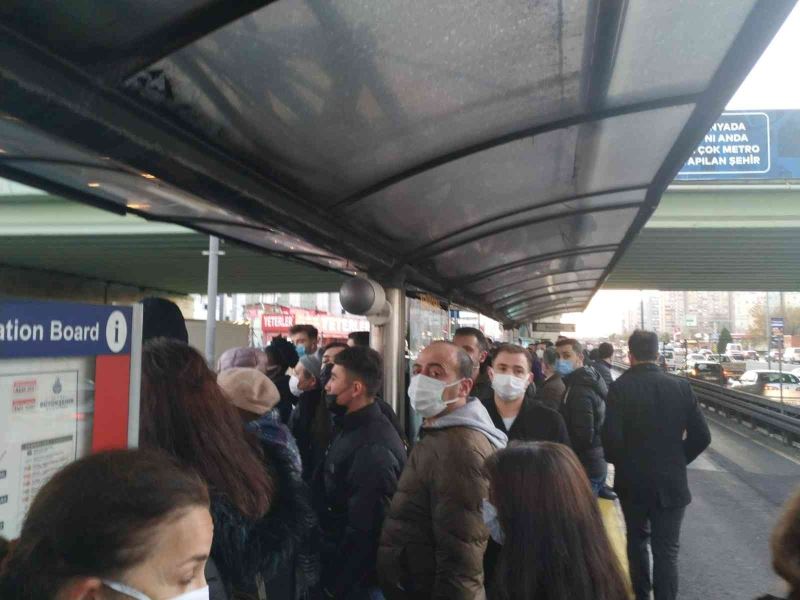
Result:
434,538
516,415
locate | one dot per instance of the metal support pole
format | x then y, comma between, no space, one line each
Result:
641,310
768,331
394,350
211,319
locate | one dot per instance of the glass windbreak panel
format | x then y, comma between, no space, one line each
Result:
680,55
18,140
339,94
545,293
559,235
85,32
534,270
140,191
619,152
544,283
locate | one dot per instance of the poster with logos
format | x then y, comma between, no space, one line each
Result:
69,385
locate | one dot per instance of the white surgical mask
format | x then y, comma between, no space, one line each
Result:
198,594
540,353
492,522
294,386
426,395
508,387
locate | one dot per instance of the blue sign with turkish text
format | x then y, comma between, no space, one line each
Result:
42,329
758,144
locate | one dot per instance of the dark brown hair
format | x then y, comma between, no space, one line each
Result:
555,547
514,349
309,330
185,413
786,546
362,363
576,346
95,518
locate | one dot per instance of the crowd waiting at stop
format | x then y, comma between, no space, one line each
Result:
285,475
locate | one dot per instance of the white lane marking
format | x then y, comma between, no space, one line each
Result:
755,441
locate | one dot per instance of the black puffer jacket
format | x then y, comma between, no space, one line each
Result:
584,411
312,429
281,549
352,493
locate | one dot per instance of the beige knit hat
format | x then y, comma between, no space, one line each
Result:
249,389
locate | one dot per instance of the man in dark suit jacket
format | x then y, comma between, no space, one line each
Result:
654,428
605,353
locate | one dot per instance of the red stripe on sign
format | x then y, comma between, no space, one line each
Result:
111,389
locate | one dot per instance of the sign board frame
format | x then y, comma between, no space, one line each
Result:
70,379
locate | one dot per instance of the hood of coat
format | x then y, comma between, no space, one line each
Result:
473,415
587,376
243,548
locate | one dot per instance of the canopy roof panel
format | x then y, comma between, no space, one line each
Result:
500,154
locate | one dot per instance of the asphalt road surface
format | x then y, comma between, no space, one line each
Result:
738,486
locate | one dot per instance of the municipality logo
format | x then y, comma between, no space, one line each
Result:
116,331
57,387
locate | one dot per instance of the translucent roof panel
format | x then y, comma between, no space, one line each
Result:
86,32
339,94
592,229
18,140
548,283
618,152
677,56
136,191
536,269
547,292
556,300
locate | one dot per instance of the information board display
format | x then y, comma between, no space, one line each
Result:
745,145
69,385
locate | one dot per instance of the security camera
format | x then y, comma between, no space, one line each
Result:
361,296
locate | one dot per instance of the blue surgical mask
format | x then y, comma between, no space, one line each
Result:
301,350
564,367
492,522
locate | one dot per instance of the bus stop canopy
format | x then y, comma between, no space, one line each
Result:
500,154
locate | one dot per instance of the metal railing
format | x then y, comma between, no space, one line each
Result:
757,411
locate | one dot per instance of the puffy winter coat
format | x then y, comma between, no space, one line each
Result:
434,538
584,411
352,492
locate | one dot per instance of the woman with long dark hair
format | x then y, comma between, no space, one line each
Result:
544,515
121,524
263,522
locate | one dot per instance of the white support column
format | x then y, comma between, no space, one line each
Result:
394,349
211,318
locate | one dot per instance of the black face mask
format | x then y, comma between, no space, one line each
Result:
325,375
335,409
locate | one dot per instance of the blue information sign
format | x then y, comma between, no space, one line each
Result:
29,328
748,145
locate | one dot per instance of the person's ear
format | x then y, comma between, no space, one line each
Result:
82,588
482,357
490,371
530,378
465,387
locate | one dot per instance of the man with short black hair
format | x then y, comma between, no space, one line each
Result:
358,478
514,414
305,339
605,352
473,342
654,428
583,409
358,338
551,393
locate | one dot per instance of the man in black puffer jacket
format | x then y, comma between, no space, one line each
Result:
355,484
584,410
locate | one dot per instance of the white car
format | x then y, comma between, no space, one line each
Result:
791,355
691,359
769,384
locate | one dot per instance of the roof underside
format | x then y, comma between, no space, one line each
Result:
500,154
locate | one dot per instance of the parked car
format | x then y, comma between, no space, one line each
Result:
791,355
707,371
769,383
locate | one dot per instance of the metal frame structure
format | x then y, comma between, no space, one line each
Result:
85,109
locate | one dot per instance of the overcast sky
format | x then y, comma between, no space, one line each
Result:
774,83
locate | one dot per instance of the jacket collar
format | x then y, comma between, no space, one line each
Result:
362,416
646,367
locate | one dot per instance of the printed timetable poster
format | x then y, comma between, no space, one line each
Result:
67,388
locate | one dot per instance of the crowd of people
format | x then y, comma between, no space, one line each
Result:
283,474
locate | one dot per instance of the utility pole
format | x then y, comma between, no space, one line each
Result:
767,330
